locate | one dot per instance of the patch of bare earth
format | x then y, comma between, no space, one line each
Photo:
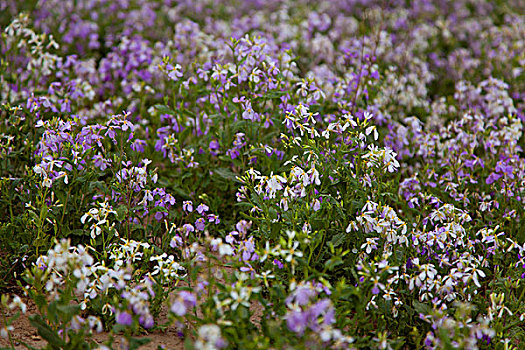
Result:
24,332
168,338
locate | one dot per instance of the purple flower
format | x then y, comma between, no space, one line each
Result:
146,321
187,206
159,215
138,145
303,295
297,321
409,264
124,318
188,228
229,238
183,302
316,205
101,162
214,219
202,208
243,226
278,263
492,178
200,224
322,308
176,241
214,147
233,153
174,72
248,268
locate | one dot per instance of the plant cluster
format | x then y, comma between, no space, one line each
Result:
271,174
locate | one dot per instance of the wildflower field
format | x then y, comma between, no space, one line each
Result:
262,174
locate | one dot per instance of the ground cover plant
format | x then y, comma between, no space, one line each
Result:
263,174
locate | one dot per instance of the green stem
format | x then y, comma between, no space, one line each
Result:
42,217
8,332
104,244
521,296
511,325
65,205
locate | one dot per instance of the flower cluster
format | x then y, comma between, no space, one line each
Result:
268,174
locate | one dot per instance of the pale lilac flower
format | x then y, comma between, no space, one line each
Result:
187,206
200,224
202,208
124,318
183,302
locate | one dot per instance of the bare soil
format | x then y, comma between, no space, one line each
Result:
24,332
168,339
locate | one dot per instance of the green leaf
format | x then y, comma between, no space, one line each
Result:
135,343
188,344
77,340
95,184
181,192
338,239
40,242
276,230
46,332
273,94
164,109
78,232
33,215
226,174
189,113
244,205
52,312
40,300
420,308
239,125
517,333
68,311
157,209
122,210
333,262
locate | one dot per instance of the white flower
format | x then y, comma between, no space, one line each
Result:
4,331
209,335
390,160
314,176
18,303
474,273
274,184
254,75
225,249
373,129
47,182
427,271
292,252
371,243
352,226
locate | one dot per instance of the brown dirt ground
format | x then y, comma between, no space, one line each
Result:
26,333
168,339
